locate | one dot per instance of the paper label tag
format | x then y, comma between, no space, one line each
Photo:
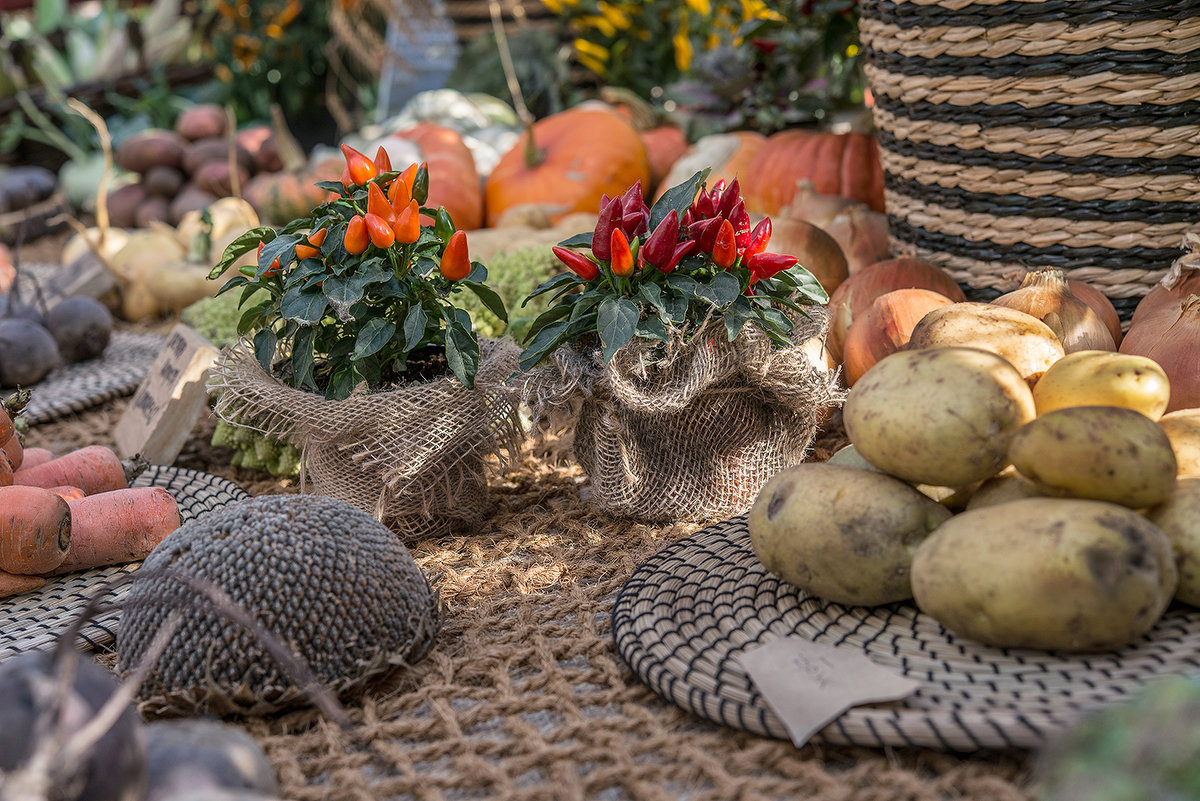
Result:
169,401
807,684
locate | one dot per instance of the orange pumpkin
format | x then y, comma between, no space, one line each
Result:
576,156
664,145
837,164
453,178
727,156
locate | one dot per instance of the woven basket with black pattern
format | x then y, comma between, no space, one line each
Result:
1018,134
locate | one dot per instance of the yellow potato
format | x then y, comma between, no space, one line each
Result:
1106,453
841,533
942,416
954,498
1023,340
1179,519
1052,573
1104,378
1007,485
1183,429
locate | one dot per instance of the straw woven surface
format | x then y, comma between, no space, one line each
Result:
1038,133
524,696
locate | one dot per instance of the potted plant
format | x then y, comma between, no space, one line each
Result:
676,350
353,349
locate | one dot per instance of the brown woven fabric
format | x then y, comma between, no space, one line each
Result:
416,457
692,432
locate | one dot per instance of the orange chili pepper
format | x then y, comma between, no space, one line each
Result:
310,248
379,231
724,252
356,239
622,256
377,204
399,193
456,262
407,225
361,168
383,162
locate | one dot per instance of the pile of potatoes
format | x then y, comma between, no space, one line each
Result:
188,168
1052,508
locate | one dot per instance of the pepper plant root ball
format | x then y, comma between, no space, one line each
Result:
327,579
941,416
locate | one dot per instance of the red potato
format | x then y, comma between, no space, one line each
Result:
93,469
68,493
12,584
35,530
116,527
32,457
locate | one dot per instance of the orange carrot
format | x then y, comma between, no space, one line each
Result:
93,469
68,493
32,457
35,530
111,528
7,429
12,584
15,453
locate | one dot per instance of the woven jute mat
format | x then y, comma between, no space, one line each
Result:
524,695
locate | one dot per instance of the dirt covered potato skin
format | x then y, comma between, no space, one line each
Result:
941,416
842,533
1104,453
1050,573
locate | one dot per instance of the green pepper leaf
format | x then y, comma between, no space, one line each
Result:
371,338
677,197
735,317
722,290
552,336
414,326
305,306
553,314
583,240
550,284
616,322
241,246
234,283
489,298
804,283
462,353
343,382
252,318
264,348
652,328
302,358
331,186
282,247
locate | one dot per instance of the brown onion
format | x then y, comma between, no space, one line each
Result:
1172,340
1101,305
1046,295
859,291
885,327
863,235
1181,280
819,253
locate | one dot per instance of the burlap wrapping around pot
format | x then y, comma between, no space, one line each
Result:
691,433
417,457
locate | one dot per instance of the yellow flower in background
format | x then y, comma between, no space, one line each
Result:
591,55
701,7
683,45
758,9
615,16
598,23
554,5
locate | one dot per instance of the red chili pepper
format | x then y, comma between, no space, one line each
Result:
310,248
580,264
682,250
361,168
724,252
407,225
274,268
705,232
609,219
357,238
377,204
379,231
383,162
730,195
456,262
660,245
759,238
622,254
765,265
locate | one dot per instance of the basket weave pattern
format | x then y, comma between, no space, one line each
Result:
1018,135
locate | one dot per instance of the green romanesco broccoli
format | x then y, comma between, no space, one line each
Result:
256,451
216,318
513,276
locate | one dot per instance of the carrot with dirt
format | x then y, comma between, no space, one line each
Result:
69,493
14,451
93,469
112,528
32,457
35,530
13,584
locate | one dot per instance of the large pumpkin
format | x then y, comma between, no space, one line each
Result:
577,156
453,179
836,164
727,155
280,197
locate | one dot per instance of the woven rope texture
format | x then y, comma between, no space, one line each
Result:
1038,134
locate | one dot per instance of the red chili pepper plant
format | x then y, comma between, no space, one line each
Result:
360,285
646,272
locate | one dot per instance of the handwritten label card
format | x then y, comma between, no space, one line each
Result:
808,684
170,400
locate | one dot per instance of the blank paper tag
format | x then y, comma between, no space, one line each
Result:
808,685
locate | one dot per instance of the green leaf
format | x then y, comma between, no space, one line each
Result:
804,283
735,316
549,285
304,271
376,333
302,358
349,288
685,284
241,246
722,290
264,348
253,317
343,382
462,353
305,306
414,326
331,186
677,197
652,328
553,335
616,322
553,314
443,226
282,247
234,283
676,304
583,240
489,298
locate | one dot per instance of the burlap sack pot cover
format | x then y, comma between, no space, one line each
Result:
690,431
417,457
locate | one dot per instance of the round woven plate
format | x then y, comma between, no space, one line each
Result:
685,616
77,387
35,619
